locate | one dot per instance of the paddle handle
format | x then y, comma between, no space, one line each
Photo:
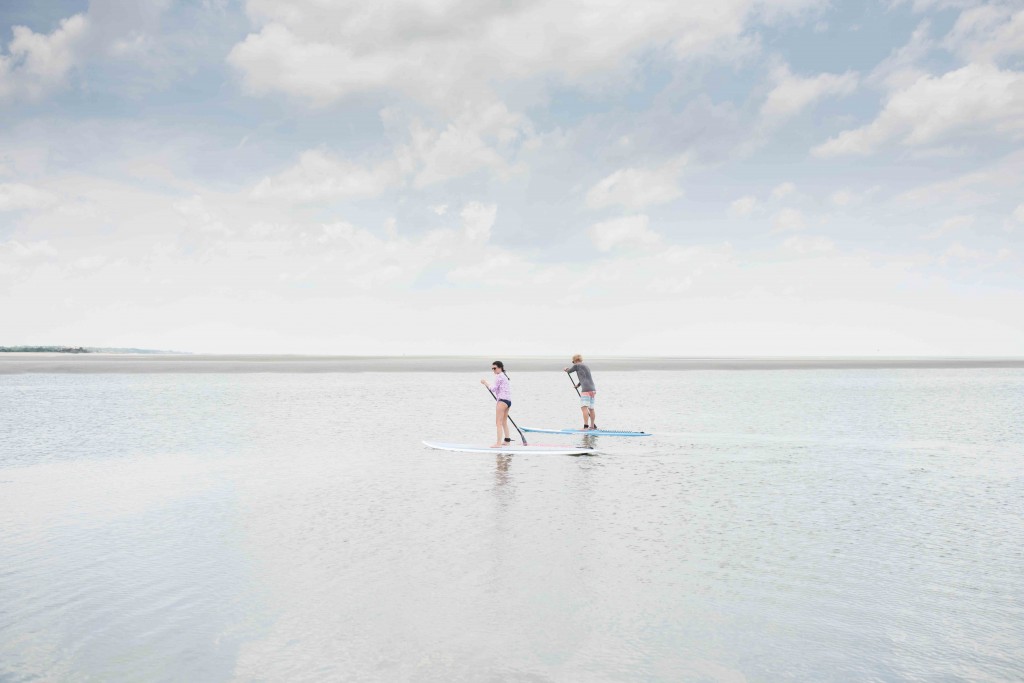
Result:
521,437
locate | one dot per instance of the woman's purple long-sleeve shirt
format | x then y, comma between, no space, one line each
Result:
501,388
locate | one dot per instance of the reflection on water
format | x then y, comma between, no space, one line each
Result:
589,441
813,525
502,462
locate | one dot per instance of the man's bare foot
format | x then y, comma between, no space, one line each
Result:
497,445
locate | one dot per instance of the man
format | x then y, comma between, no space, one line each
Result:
587,390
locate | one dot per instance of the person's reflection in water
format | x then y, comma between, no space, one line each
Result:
589,441
502,478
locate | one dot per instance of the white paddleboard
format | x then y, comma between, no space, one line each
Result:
593,432
541,450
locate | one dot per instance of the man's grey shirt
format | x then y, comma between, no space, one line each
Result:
583,374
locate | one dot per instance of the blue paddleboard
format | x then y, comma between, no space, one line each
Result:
595,432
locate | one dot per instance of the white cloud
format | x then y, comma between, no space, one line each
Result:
792,94
440,209
197,216
808,244
477,220
783,190
277,59
958,252
842,197
984,186
267,290
500,268
954,224
23,251
988,33
743,207
1018,213
320,177
637,188
36,63
627,232
977,99
787,220
479,138
16,255
927,5
18,196
903,66
447,50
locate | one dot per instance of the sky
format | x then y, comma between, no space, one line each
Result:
524,177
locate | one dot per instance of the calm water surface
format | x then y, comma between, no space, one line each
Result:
808,525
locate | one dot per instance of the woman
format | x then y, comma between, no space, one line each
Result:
503,393
588,391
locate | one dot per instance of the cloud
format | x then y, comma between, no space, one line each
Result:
902,67
743,207
792,94
808,244
783,190
477,220
37,63
198,216
628,232
979,187
16,255
978,99
444,51
842,198
1018,213
277,59
928,5
320,177
787,220
18,197
637,188
266,289
954,224
958,252
987,33
25,251
481,137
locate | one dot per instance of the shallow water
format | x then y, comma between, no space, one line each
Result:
826,525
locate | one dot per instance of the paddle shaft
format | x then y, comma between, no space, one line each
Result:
521,437
569,375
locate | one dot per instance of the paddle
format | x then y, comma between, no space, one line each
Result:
569,375
521,437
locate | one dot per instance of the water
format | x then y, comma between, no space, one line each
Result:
826,525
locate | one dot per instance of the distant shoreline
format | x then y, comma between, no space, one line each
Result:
83,349
96,363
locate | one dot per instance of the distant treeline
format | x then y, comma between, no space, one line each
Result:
73,349
43,349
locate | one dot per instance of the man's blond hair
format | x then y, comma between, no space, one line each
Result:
577,358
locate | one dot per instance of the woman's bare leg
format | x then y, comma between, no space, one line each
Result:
497,424
504,422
